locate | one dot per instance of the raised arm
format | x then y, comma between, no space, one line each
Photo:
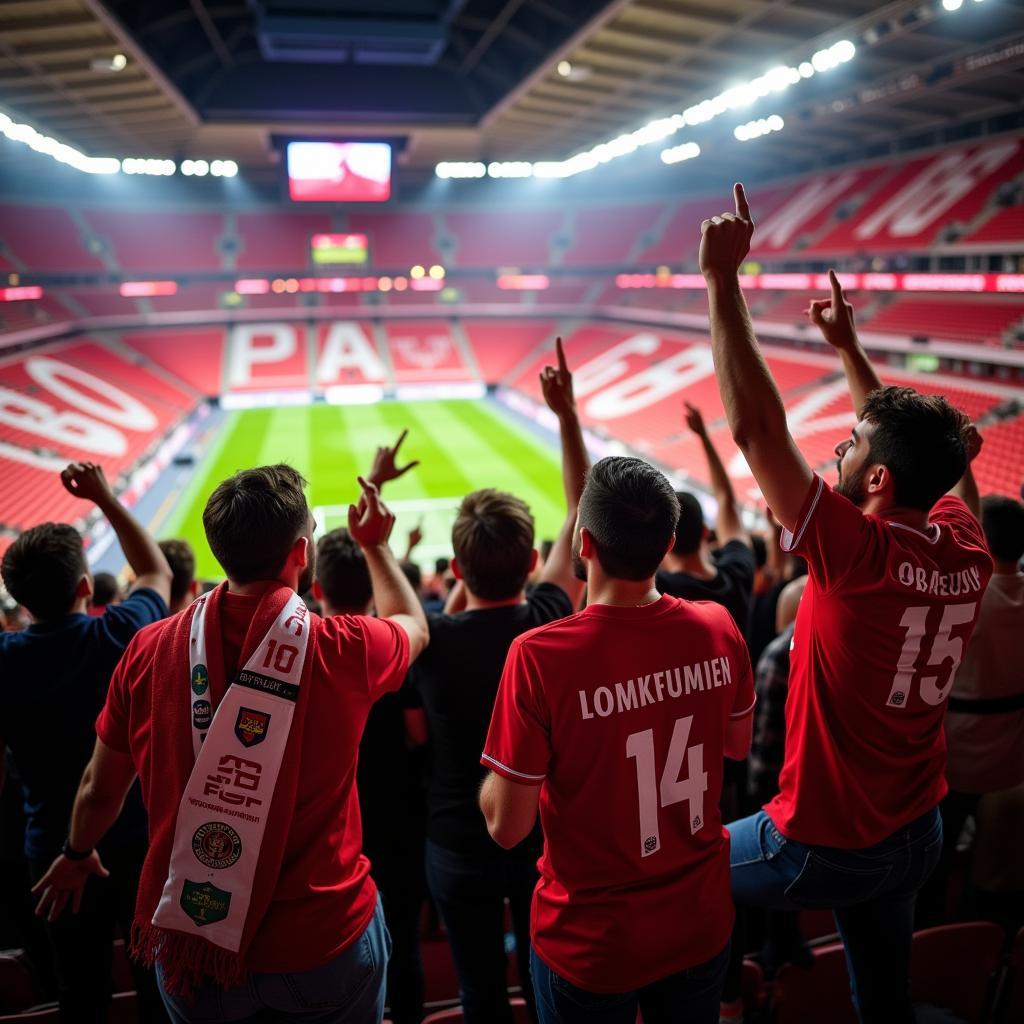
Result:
86,480
556,385
728,525
753,406
370,523
384,466
834,318
966,488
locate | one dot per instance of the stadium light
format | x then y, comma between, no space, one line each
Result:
461,169
952,5
510,169
762,126
564,68
148,165
26,291
141,289
417,273
27,135
677,154
437,272
199,168
223,168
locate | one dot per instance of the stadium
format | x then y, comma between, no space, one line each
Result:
241,234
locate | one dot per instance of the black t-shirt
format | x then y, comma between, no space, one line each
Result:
457,677
731,587
53,683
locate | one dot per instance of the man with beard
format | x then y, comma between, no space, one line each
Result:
897,569
242,718
614,723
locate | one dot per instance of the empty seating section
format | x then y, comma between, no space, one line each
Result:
103,302
44,238
161,241
68,416
603,235
520,239
911,208
1005,225
199,295
398,241
195,356
949,319
273,241
782,307
999,468
500,346
424,351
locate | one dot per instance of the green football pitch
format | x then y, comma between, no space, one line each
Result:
461,445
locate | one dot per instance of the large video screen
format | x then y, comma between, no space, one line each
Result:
339,172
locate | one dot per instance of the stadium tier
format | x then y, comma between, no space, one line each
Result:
116,399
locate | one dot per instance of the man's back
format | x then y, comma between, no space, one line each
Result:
881,629
458,678
732,586
323,897
621,714
53,681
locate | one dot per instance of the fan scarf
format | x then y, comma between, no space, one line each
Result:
213,897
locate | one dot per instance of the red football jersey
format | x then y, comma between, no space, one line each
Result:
620,715
882,627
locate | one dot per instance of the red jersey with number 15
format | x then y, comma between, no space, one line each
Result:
620,714
882,627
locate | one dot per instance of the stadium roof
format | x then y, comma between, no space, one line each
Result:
495,79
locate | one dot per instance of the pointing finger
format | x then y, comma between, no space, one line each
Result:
563,366
740,198
401,438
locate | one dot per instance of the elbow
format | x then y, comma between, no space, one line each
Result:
419,637
751,430
504,836
737,751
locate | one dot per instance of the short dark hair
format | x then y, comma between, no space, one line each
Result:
760,548
104,589
493,542
252,520
182,560
1003,521
921,439
43,567
441,565
341,571
690,528
630,510
413,573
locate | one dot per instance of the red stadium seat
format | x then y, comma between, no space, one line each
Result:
519,1014
16,988
1009,1006
953,967
818,993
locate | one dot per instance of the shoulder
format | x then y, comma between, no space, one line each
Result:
142,604
549,600
550,634
736,553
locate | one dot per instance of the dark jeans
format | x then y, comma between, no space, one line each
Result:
687,997
470,894
870,891
83,943
346,990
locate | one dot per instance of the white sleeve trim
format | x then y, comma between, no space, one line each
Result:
512,771
743,714
789,540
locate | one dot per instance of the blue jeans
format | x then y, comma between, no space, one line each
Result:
346,990
870,891
470,894
687,997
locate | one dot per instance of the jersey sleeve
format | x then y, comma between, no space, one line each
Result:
113,726
120,622
384,654
743,703
518,744
953,513
831,533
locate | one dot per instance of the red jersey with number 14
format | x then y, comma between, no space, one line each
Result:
882,627
620,714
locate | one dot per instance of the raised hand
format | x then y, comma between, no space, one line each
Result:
86,480
370,522
415,536
725,239
694,419
384,467
556,385
64,882
834,317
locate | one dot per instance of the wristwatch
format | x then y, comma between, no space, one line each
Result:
71,853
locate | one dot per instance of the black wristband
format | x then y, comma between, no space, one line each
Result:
67,850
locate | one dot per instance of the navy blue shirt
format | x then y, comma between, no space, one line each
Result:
53,683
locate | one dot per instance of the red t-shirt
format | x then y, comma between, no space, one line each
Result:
324,897
882,626
620,715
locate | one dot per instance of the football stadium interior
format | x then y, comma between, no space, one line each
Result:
234,234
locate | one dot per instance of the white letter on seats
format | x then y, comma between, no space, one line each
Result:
244,353
66,428
346,347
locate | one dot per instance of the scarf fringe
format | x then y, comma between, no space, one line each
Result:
184,959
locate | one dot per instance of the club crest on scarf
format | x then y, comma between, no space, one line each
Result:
217,845
251,726
200,680
204,903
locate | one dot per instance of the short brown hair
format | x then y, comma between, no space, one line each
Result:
252,520
182,560
920,439
42,569
493,542
342,572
